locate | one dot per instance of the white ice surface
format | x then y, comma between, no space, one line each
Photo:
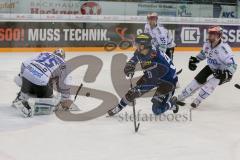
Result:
213,133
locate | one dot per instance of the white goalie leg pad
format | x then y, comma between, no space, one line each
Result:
189,90
18,80
208,88
43,106
20,103
21,97
23,107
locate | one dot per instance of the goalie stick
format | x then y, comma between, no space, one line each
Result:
78,90
73,107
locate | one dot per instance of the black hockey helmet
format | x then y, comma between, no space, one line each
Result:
144,39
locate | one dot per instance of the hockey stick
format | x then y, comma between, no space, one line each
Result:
136,126
79,88
237,86
179,72
75,107
180,103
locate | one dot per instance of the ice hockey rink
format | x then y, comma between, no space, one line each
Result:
210,132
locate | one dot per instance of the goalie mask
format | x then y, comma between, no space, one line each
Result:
60,52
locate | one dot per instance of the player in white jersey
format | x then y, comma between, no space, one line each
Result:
161,38
219,69
38,75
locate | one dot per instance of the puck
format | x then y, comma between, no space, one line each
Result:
237,86
87,94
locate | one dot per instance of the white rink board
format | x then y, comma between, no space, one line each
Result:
213,133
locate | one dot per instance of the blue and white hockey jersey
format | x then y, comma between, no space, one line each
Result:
153,65
40,70
219,57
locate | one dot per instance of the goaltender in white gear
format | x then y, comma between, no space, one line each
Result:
219,69
38,75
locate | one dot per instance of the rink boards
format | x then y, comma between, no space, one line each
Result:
96,49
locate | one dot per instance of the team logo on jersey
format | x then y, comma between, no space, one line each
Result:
213,61
146,64
190,35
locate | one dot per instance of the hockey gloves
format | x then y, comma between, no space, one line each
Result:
223,75
192,65
129,69
66,104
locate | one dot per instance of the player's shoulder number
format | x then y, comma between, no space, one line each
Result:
49,60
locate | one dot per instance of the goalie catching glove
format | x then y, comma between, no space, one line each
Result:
66,104
223,75
129,69
192,65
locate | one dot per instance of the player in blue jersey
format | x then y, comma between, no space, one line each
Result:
158,72
38,75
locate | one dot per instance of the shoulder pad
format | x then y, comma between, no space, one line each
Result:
160,25
162,28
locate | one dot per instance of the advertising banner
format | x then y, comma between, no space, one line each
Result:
6,6
75,7
192,10
61,7
62,34
160,8
224,11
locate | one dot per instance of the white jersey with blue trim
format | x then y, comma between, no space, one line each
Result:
219,57
161,38
39,70
44,68
170,40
